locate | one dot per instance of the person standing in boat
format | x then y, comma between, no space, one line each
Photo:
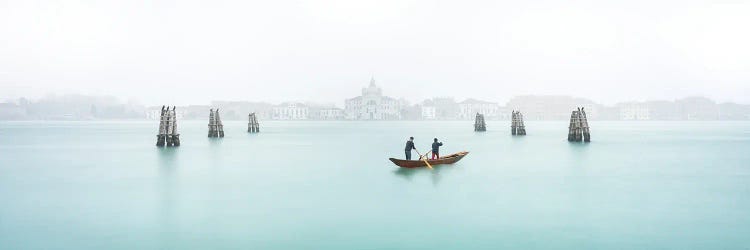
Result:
409,148
436,149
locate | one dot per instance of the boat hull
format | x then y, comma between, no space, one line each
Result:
448,159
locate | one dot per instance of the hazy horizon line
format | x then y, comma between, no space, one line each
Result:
135,101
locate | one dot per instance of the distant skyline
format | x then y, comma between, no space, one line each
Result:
193,52
332,103
112,100
375,107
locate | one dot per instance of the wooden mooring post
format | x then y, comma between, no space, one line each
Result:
479,124
585,126
215,127
252,124
516,126
168,135
578,130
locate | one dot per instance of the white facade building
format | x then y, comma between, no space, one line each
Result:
290,111
372,105
429,112
330,114
634,111
469,108
154,113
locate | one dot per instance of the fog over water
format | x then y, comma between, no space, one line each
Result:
192,52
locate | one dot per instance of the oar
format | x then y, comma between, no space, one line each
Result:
424,159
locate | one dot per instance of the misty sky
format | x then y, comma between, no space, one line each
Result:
181,52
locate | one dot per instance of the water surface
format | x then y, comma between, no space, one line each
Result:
329,185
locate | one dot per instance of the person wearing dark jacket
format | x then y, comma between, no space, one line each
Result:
409,147
436,149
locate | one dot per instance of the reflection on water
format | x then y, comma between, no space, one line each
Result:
517,138
167,160
168,164
435,176
578,147
215,141
409,173
215,149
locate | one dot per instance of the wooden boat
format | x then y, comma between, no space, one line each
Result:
448,159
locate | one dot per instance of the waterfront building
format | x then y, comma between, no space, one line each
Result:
550,107
697,108
238,110
469,108
503,113
634,111
445,108
155,113
411,112
372,105
290,111
428,112
330,114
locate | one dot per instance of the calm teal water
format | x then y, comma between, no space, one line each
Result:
329,185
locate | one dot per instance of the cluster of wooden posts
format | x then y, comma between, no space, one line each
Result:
215,127
479,124
579,126
252,124
516,123
169,137
578,129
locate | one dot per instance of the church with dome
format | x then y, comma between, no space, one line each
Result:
372,105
